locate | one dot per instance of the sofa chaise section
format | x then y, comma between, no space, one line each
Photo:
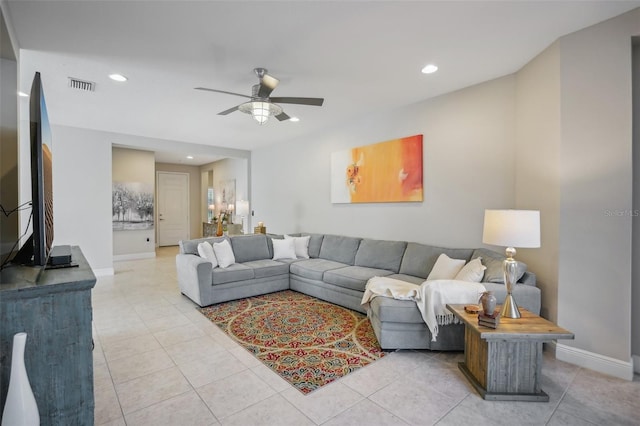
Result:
399,324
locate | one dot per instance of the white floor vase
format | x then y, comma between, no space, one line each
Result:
20,408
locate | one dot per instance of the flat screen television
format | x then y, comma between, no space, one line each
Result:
35,251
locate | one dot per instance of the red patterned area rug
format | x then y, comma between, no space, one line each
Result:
308,342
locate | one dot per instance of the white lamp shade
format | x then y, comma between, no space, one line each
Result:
242,208
512,228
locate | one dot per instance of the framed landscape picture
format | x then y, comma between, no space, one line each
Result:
384,172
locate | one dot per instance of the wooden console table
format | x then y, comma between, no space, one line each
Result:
505,364
54,309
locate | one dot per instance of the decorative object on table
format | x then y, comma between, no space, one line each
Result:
511,228
219,229
20,408
488,302
261,106
489,320
260,229
472,309
385,172
307,341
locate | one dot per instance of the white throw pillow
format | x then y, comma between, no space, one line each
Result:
472,271
224,253
301,245
283,249
205,250
445,268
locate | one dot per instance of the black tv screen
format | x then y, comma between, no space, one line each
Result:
36,249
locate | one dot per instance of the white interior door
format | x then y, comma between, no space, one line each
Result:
173,208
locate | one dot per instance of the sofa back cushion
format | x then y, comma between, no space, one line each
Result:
247,248
191,246
418,259
339,248
315,242
493,261
380,254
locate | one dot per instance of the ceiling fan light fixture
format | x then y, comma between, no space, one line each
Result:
260,110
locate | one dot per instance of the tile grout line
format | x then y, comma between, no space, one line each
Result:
564,392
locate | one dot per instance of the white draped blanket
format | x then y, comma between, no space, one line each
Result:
431,297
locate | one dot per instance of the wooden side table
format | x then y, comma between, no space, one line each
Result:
505,364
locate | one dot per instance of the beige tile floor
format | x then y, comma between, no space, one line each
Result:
158,361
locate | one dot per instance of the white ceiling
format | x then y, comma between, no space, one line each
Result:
361,56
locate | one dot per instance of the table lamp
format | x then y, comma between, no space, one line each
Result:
511,228
242,210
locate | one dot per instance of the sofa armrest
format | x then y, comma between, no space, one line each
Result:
529,278
194,277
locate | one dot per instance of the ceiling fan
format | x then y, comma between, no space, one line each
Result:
262,106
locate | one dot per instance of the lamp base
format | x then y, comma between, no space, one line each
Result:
509,308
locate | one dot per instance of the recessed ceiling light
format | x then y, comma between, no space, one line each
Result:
117,77
430,69
189,157
294,119
23,95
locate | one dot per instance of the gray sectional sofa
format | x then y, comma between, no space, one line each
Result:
337,271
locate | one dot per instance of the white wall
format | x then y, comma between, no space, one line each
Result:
468,152
134,166
594,293
82,193
538,124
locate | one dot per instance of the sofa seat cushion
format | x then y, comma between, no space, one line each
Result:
393,310
267,268
314,268
353,277
408,278
235,272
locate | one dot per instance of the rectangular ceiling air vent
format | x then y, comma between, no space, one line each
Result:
87,86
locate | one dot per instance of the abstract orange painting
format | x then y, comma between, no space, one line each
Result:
384,172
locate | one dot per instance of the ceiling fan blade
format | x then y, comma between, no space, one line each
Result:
222,91
299,101
267,84
229,111
282,116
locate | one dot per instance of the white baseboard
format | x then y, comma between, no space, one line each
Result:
104,272
593,361
134,256
636,363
